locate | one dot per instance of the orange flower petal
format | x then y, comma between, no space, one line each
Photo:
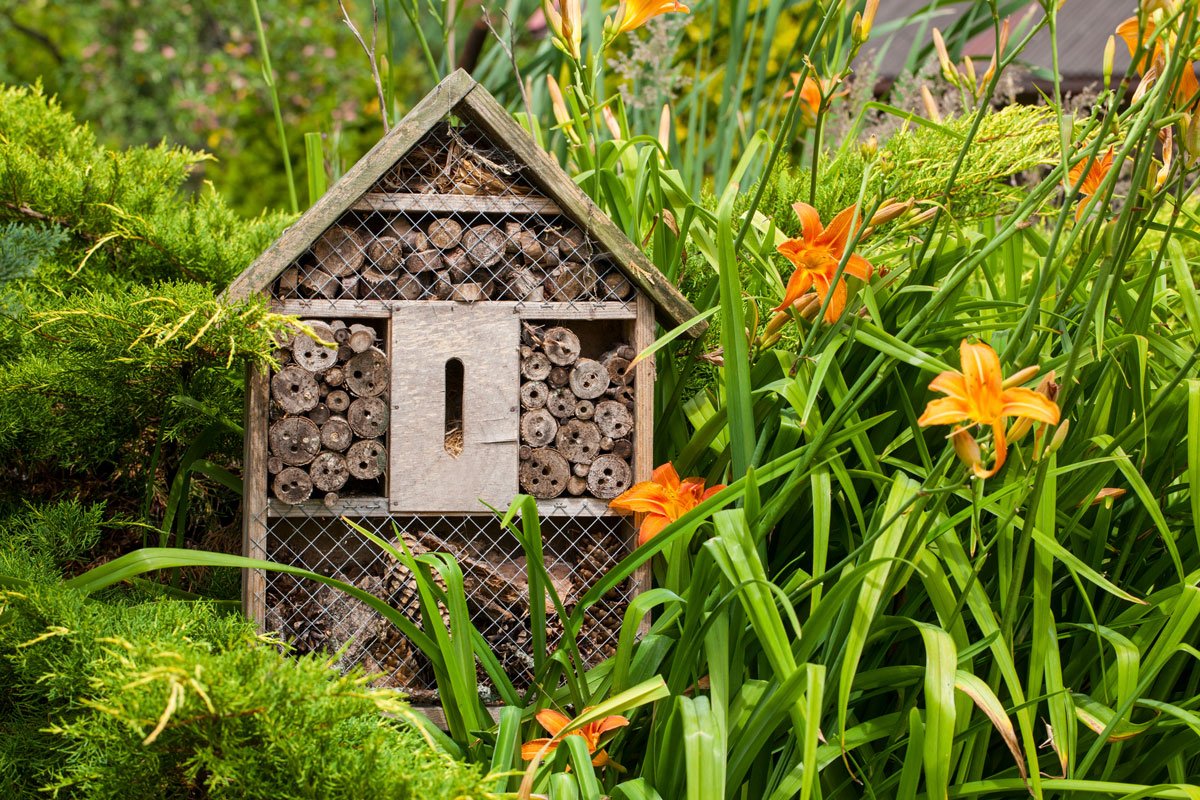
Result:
859,267
530,749
981,372
646,497
1021,402
553,721
600,759
665,475
837,304
810,221
652,526
950,383
800,282
839,229
1001,445
710,491
610,723
944,411
1128,31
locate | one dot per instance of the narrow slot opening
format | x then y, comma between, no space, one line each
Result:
454,407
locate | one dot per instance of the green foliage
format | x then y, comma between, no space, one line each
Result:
1012,143
124,208
22,249
168,699
38,540
190,73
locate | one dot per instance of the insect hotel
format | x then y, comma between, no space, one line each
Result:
469,321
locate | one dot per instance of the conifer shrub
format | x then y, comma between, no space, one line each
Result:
172,699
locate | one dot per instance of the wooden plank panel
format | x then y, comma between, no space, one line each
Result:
349,506
643,415
674,309
254,493
334,309
424,476
455,203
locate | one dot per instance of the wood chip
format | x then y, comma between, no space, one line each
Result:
366,459
336,434
623,448
367,373
589,379
468,293
614,419
561,346
275,465
311,355
295,440
534,394
585,410
570,282
328,472
578,441
608,477
423,261
368,417
538,428
292,485
295,390
317,284
545,474
319,414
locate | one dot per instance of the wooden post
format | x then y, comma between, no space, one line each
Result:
254,493
643,426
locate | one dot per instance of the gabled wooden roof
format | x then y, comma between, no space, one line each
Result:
461,96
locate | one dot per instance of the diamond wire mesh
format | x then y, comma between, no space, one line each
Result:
454,220
316,618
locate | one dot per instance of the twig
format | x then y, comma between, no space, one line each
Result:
370,51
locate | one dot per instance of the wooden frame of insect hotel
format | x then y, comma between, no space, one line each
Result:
469,318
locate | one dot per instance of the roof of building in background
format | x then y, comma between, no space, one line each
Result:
902,30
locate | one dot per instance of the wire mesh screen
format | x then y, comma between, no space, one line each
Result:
316,618
455,220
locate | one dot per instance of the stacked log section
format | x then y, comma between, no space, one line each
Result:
465,258
577,417
329,414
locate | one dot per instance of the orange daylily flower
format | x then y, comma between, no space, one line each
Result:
980,395
1155,58
817,254
810,96
554,722
1092,180
663,499
633,14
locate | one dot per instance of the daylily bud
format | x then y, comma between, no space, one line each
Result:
969,72
1001,45
868,18
931,109
967,449
856,30
664,129
1190,141
1110,51
1168,149
566,26
1017,378
776,324
890,211
948,70
1107,495
1060,436
870,147
610,122
559,106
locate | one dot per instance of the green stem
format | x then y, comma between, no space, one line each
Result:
269,76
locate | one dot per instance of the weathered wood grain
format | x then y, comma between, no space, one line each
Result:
425,477
404,202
